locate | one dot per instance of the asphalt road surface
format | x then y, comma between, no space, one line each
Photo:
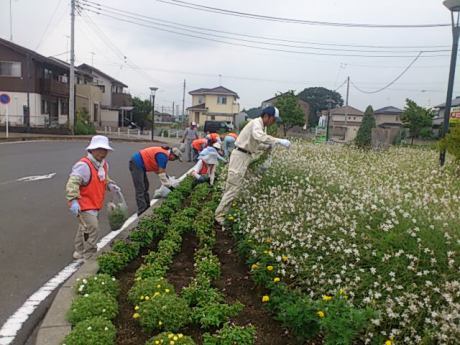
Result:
36,228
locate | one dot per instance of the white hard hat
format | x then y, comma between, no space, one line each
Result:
177,152
99,142
217,145
193,123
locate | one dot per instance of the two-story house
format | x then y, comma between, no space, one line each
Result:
388,117
217,104
344,123
117,103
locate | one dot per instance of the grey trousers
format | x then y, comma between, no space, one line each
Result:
188,150
141,187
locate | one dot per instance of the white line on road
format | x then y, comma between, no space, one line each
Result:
13,325
36,178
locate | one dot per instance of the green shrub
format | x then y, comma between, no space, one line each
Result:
92,305
96,330
131,249
167,337
199,292
231,335
207,264
148,287
165,312
112,262
83,125
154,270
451,143
98,283
215,314
143,237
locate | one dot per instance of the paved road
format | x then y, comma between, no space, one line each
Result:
36,229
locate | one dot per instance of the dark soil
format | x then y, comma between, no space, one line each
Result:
181,272
236,283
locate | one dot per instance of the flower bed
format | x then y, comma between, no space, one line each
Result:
355,247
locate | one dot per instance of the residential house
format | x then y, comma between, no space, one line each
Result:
117,104
305,106
388,117
216,104
344,123
37,85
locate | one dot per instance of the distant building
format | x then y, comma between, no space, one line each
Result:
344,123
388,117
216,104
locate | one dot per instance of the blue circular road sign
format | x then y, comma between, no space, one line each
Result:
4,98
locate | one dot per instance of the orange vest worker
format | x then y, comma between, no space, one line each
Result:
92,195
149,157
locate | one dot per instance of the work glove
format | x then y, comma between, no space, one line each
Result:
114,188
173,182
164,179
75,208
284,142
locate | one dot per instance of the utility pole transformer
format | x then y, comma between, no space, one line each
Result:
72,69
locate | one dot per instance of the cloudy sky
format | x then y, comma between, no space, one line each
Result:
164,59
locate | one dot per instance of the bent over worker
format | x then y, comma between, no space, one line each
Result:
85,192
229,143
253,138
198,145
154,159
205,169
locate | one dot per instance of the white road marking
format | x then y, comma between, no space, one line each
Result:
36,178
13,325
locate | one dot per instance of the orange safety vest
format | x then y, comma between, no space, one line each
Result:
92,195
149,155
213,137
234,135
199,144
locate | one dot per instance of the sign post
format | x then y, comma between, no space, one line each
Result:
6,99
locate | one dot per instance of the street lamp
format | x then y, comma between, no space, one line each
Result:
152,102
454,8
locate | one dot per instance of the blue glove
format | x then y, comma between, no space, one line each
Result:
75,208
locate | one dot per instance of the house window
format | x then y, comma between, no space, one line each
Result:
397,118
10,69
201,100
102,87
221,100
213,118
64,107
45,109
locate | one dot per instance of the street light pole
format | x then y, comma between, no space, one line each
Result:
454,7
329,105
152,101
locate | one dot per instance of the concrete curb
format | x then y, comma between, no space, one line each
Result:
72,138
54,326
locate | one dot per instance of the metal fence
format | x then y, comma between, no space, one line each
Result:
40,121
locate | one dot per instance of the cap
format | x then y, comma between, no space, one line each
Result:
272,111
217,146
177,152
99,142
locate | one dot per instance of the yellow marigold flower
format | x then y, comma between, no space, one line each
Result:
276,280
265,251
142,297
284,258
171,342
157,342
156,294
269,268
175,338
320,314
160,323
136,307
147,298
254,266
265,298
138,278
342,291
327,298
170,335
158,286
268,240
388,342
136,316
167,290
180,335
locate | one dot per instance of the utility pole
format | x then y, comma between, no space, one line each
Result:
346,111
348,91
72,69
172,112
11,21
183,105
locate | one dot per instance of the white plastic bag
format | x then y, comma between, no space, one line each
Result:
117,211
161,192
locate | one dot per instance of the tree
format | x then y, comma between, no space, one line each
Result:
416,118
141,112
364,137
290,111
317,98
451,143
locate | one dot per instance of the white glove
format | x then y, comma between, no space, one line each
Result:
164,179
284,142
114,188
173,182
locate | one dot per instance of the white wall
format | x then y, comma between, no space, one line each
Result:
107,95
109,118
16,112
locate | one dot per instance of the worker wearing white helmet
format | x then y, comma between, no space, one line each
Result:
252,139
190,134
85,192
205,169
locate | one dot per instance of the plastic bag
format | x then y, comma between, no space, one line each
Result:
117,211
161,192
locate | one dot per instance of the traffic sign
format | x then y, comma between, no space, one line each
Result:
5,98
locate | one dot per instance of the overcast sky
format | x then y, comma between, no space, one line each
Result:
163,59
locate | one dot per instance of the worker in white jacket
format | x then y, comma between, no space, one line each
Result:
252,139
205,169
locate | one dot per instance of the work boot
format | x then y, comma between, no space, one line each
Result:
77,256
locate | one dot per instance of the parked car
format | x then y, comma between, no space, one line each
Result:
215,127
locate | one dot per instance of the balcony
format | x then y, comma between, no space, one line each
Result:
54,88
121,100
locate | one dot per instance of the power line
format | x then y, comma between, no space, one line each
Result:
293,20
157,27
48,25
113,10
393,81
